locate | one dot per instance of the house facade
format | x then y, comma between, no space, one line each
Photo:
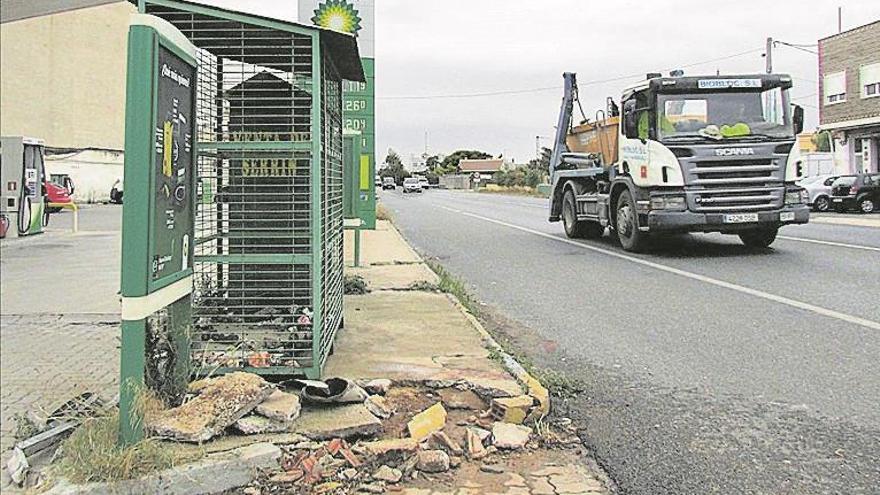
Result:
849,92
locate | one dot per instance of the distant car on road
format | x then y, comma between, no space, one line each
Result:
856,192
378,181
388,183
818,189
423,181
411,184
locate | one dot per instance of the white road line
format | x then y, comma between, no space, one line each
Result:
829,243
693,276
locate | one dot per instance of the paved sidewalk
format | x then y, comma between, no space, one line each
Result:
846,219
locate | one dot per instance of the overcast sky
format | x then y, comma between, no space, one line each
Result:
443,48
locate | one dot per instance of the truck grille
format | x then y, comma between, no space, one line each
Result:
735,185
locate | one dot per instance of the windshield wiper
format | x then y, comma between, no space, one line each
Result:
677,137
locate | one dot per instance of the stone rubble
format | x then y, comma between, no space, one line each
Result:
509,436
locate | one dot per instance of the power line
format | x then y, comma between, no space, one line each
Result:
796,47
556,88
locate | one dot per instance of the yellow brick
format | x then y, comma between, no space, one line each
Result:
426,422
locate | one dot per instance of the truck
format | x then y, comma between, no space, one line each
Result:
681,154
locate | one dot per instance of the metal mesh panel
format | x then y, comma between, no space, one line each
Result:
256,290
331,204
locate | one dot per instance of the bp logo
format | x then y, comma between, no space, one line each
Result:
338,15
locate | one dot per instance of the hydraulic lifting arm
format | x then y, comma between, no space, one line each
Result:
562,126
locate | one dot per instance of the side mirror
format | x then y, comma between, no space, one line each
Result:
798,119
630,125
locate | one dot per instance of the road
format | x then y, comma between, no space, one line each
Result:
704,366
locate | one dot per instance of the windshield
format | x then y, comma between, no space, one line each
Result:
845,181
725,115
411,181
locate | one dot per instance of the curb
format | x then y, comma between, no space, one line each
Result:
535,388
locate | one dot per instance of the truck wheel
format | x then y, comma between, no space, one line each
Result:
574,228
627,224
760,238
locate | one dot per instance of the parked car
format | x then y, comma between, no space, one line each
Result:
818,189
388,183
411,184
56,194
378,181
116,192
856,192
423,181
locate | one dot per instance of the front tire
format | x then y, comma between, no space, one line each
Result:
626,223
822,203
867,205
759,238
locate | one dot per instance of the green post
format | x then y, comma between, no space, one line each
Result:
158,214
317,191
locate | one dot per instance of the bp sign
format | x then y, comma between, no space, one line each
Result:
158,214
355,17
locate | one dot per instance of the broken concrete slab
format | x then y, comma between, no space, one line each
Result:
280,406
220,402
433,461
255,425
388,474
391,446
426,422
511,409
215,474
377,405
509,436
440,440
474,445
346,421
454,398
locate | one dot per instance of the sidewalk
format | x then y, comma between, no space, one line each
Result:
853,220
412,335
419,339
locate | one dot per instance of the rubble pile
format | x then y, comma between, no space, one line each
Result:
426,433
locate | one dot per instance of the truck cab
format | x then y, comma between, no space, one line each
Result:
687,154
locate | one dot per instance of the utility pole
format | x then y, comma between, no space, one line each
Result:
839,20
768,55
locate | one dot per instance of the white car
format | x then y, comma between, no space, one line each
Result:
411,184
818,188
423,181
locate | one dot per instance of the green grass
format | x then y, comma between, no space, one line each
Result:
91,454
450,284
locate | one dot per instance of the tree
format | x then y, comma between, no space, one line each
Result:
393,167
450,163
542,163
822,141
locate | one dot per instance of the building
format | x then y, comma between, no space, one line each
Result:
849,90
63,66
484,168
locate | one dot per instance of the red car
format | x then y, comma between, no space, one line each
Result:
57,194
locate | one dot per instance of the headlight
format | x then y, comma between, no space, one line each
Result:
796,197
668,203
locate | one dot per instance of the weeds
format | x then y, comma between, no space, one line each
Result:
559,384
382,213
512,190
91,454
454,286
25,427
354,284
423,285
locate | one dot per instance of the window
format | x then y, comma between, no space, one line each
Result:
869,78
835,88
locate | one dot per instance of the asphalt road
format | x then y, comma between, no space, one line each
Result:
705,366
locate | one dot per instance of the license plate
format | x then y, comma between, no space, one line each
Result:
787,216
741,218
838,200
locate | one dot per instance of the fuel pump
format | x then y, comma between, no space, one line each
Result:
23,186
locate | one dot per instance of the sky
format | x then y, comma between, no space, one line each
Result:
433,56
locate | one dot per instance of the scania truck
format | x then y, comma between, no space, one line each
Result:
681,154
